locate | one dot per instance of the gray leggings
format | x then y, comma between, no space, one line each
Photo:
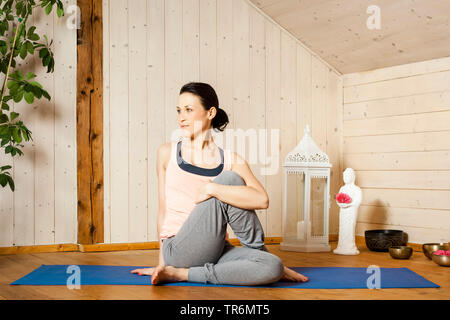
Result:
200,244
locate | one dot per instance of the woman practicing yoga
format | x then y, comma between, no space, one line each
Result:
202,188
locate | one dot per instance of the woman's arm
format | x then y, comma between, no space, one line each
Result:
161,165
251,196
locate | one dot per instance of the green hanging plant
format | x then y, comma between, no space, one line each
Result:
17,86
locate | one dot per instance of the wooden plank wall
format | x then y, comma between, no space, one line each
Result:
396,133
264,78
43,208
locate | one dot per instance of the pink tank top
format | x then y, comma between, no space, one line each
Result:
183,181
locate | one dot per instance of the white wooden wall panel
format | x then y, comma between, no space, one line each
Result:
119,121
106,121
45,157
191,39
396,134
137,206
262,75
207,39
257,107
43,208
288,110
173,61
225,63
273,171
154,104
22,217
64,95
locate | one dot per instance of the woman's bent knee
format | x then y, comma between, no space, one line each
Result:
275,269
229,177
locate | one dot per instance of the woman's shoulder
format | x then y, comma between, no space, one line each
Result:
235,159
164,152
164,148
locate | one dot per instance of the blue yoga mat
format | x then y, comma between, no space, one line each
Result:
319,277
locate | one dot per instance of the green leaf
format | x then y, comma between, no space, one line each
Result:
30,47
5,106
27,87
5,168
14,89
4,118
3,47
30,75
14,115
8,149
18,75
36,91
35,83
43,53
12,84
23,50
3,27
4,130
44,3
34,37
29,97
25,134
19,5
59,12
17,137
31,30
45,94
18,97
4,143
51,65
48,9
11,183
46,60
3,179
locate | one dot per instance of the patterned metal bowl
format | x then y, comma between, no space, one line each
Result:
400,252
441,260
381,240
429,248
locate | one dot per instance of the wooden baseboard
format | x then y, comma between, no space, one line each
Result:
151,245
103,247
99,247
39,249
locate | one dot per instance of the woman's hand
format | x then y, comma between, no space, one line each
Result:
146,271
205,192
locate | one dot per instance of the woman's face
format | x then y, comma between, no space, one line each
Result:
192,117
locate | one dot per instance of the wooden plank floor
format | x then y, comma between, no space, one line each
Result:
13,267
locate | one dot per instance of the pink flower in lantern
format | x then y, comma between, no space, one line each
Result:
343,198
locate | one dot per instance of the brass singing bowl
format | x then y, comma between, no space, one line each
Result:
400,252
429,248
441,260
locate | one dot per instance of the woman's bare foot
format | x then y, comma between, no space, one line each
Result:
291,275
169,274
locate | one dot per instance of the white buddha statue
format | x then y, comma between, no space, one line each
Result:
348,214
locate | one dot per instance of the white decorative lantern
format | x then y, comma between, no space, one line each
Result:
306,198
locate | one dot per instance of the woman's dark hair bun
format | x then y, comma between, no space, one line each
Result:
209,99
